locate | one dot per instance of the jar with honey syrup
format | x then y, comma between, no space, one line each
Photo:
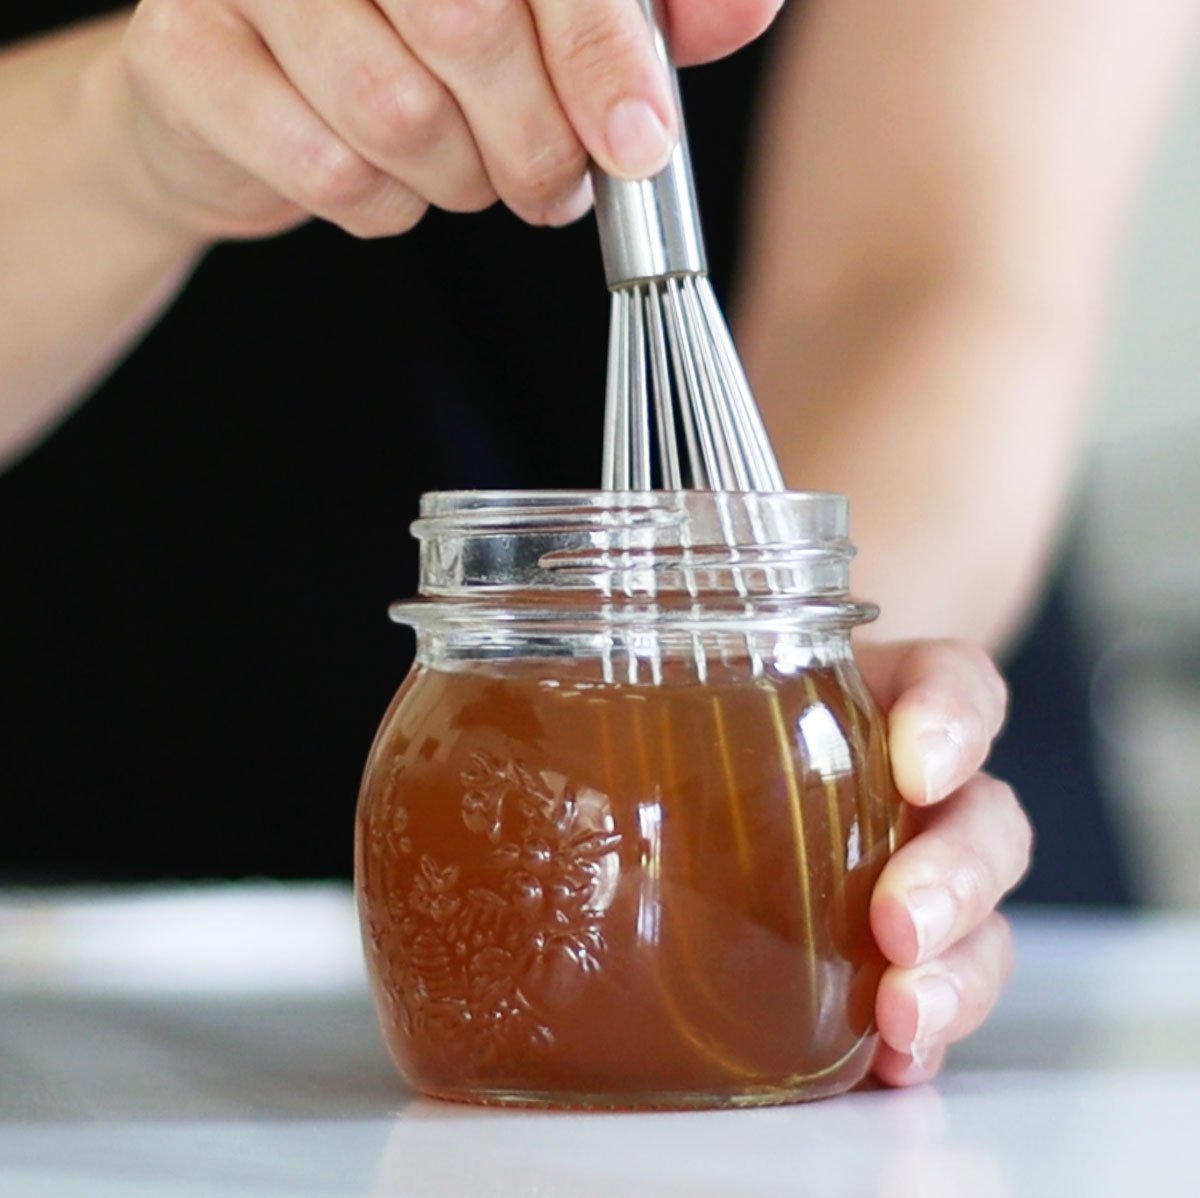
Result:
619,828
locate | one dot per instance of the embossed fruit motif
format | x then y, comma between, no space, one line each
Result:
480,967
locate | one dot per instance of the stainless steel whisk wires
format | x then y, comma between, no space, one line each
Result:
673,370
673,367
674,376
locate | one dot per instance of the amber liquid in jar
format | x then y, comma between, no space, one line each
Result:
578,893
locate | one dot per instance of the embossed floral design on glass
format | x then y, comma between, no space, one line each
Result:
618,831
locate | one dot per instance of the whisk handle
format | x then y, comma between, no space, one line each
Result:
650,228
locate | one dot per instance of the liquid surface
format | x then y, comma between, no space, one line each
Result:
580,893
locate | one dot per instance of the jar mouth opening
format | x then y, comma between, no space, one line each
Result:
807,515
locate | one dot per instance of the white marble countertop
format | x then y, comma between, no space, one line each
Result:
220,1042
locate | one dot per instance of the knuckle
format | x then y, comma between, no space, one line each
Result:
1023,841
390,115
475,196
1018,818
546,171
419,114
163,25
993,681
975,655
977,995
1006,948
333,179
979,847
1017,829
991,791
981,664
409,213
960,715
461,27
161,34
997,687
984,970
398,211
973,879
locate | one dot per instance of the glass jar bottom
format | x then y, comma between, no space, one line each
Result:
845,1075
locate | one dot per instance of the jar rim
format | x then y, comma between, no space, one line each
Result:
812,514
684,554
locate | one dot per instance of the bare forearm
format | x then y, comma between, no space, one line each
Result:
956,488
942,189
84,266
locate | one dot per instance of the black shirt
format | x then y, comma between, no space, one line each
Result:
198,564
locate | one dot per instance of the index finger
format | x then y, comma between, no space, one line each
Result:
605,68
703,32
616,91
945,702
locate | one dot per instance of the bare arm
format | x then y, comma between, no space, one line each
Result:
942,186
84,263
131,144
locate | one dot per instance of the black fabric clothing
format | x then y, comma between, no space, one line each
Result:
199,561
1047,753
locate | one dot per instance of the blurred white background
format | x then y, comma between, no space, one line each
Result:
1136,580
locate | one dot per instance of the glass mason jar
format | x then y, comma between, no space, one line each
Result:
619,828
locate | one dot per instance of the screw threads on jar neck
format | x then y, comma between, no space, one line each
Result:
702,545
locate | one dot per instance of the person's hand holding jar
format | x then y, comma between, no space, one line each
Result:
933,911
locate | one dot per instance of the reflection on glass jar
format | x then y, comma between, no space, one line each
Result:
619,829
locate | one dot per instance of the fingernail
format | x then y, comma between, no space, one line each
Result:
572,206
932,910
937,1005
925,1054
638,141
919,1052
940,753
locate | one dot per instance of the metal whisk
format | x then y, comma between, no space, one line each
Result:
674,375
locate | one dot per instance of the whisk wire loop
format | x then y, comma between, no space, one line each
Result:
668,445
682,370
639,415
730,467
766,474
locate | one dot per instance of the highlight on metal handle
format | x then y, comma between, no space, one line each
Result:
650,228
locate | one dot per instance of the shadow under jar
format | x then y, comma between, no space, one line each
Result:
619,828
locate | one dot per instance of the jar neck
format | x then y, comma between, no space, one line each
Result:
690,557
636,543
653,654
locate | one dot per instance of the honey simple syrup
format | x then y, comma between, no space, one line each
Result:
591,894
